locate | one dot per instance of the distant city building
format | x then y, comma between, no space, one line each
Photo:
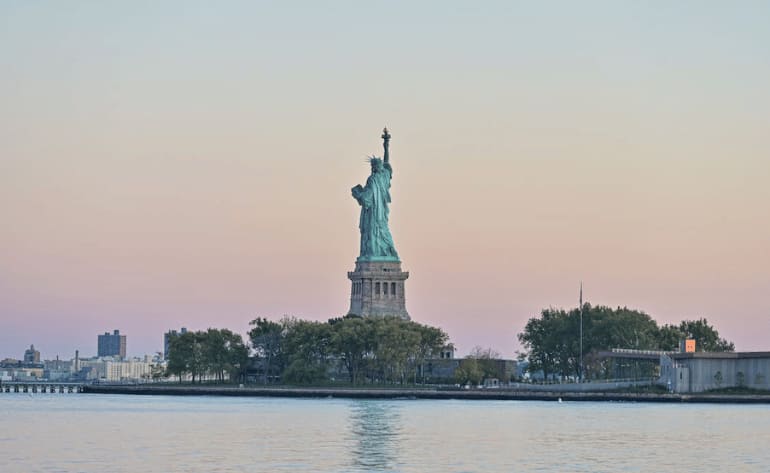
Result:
167,340
112,345
57,370
106,369
31,355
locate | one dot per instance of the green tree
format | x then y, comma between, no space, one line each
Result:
396,344
486,361
469,372
179,354
552,340
669,337
432,340
353,340
267,340
706,337
225,354
308,345
539,340
186,355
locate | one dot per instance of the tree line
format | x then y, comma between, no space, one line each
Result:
217,353
390,350
551,340
386,350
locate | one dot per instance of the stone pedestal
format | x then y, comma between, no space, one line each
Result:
378,289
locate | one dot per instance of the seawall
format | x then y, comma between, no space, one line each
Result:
458,394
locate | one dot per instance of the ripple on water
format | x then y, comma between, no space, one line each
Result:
96,433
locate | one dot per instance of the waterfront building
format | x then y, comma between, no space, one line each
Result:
22,373
702,371
115,369
57,370
112,344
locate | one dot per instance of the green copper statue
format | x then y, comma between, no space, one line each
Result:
376,241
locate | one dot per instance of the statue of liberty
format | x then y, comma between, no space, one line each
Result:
376,241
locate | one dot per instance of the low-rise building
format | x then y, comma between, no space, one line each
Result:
115,369
704,371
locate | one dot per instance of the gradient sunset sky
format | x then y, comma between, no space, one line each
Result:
169,164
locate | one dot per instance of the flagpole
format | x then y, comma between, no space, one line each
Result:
581,332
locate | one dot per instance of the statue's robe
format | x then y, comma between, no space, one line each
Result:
376,240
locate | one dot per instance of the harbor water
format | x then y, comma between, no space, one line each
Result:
120,433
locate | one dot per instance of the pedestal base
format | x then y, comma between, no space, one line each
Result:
378,289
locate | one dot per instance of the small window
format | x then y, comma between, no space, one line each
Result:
376,288
385,288
393,288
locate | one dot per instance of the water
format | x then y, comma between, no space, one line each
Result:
106,433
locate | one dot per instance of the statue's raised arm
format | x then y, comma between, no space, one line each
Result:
385,145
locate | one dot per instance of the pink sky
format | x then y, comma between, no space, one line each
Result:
164,167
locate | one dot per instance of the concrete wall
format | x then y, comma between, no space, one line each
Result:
698,374
752,373
576,387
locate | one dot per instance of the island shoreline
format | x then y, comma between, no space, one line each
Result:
427,394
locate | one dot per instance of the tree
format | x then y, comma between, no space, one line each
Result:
186,355
552,340
353,339
432,340
237,356
179,353
224,353
485,360
377,349
539,341
214,352
469,372
266,339
706,337
669,337
307,345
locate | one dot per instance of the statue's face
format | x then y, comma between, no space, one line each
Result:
376,166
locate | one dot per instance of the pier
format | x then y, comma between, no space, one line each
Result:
40,387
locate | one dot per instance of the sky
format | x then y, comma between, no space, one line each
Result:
189,164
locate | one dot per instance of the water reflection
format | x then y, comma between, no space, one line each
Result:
375,429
